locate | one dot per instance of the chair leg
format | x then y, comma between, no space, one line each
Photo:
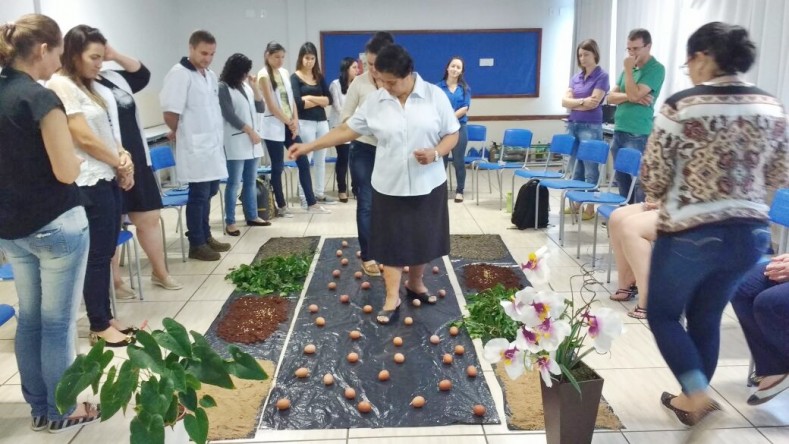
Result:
561,221
221,195
181,232
499,176
112,295
490,184
476,182
128,253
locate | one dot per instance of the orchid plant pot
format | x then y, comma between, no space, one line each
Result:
570,414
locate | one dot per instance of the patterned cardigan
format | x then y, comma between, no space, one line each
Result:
714,151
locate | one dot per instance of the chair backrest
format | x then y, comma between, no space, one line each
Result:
593,151
517,137
6,312
6,272
779,210
161,158
477,133
628,161
562,144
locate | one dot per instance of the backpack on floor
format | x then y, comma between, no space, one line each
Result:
523,213
267,210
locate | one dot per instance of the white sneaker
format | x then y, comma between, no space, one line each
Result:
284,212
317,209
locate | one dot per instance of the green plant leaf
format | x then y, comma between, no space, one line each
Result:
150,432
176,373
280,274
149,356
207,401
171,416
197,426
209,367
189,399
151,398
192,382
81,374
244,365
174,338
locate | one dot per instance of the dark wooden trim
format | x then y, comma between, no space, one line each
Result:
516,118
449,31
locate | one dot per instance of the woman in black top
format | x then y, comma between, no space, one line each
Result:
143,201
43,227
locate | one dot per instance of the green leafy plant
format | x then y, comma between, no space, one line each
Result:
164,387
486,317
282,275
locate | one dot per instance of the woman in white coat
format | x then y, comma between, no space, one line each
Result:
240,100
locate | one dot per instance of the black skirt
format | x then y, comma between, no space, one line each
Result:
144,195
410,230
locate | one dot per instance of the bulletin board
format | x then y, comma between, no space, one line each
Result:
513,53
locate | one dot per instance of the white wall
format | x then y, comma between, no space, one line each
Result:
156,32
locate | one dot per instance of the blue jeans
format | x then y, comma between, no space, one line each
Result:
103,208
589,172
762,306
362,164
49,270
276,152
198,207
459,158
627,140
697,271
238,170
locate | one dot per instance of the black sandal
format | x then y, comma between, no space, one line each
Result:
388,314
629,293
424,298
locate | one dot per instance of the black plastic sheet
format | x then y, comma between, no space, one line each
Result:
316,406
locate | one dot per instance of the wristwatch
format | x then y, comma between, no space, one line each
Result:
438,156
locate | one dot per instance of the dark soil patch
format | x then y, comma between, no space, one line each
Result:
251,319
287,246
483,247
482,277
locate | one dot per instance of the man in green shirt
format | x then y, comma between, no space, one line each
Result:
634,94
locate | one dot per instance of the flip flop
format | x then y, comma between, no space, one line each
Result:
388,314
627,294
638,313
425,298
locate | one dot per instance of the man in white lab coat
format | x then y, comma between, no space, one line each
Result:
190,102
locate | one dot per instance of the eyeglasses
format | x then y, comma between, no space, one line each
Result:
634,49
684,69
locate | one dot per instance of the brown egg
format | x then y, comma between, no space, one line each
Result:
479,410
353,357
345,298
283,404
380,267
459,350
344,262
302,372
358,275
328,379
408,320
447,359
399,358
418,402
366,285
367,309
350,393
313,308
445,385
344,243
397,341
364,407
435,339
309,349
454,330
416,302
442,293
320,322
332,285
383,375
339,253
435,269
406,269
471,371
336,273
355,334
358,253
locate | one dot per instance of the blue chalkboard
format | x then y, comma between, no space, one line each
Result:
515,53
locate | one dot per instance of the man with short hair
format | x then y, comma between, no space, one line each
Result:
634,94
190,102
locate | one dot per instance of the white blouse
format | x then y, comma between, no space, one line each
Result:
76,101
424,120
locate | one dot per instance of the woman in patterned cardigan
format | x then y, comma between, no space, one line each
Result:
714,151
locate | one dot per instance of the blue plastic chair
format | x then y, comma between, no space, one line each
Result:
6,313
590,151
513,138
162,158
6,273
779,214
476,133
560,144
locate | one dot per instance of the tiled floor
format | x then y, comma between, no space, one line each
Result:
634,371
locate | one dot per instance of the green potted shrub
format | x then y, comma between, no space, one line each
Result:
164,386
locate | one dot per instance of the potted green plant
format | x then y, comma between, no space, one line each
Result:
549,337
164,386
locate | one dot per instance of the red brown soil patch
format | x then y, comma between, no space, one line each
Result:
482,277
251,319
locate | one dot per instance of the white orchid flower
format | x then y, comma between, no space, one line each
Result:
493,351
519,307
605,325
536,268
551,333
547,366
501,350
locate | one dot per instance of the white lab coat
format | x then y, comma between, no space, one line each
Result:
237,143
199,155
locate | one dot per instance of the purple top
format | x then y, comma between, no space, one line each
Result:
583,87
